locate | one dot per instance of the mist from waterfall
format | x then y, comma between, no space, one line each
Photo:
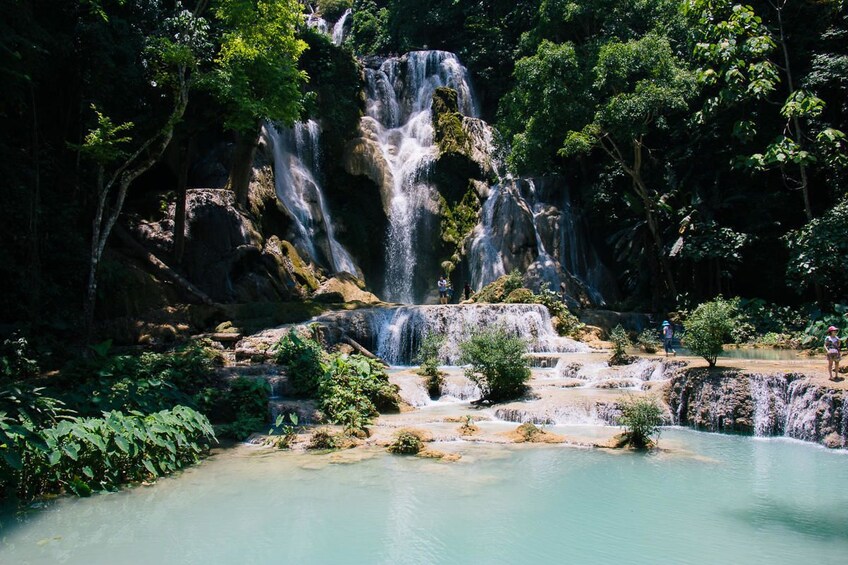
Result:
297,161
399,96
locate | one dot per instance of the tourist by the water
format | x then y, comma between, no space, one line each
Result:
450,294
833,350
443,290
668,338
467,291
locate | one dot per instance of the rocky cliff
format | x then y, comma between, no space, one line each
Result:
779,404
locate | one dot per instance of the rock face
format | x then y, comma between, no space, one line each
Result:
344,287
765,405
226,255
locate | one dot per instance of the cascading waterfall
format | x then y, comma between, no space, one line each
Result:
398,332
546,267
399,96
551,242
296,172
315,21
339,27
486,262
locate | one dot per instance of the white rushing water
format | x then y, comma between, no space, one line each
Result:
399,96
398,331
297,160
339,27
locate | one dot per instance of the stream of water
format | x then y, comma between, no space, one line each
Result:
706,499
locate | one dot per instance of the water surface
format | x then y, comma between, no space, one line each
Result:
708,499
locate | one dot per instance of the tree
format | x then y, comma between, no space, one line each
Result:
642,418
498,363
257,76
819,252
639,85
170,55
709,326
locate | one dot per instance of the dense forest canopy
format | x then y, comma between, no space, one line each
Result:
705,136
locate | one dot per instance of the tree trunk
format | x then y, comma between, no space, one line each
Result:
242,167
180,206
798,132
147,154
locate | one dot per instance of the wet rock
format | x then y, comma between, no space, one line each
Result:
761,404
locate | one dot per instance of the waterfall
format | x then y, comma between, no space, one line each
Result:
546,268
769,395
399,95
339,28
398,332
485,260
297,160
520,228
316,22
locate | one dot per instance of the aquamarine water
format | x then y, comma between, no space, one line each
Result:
708,499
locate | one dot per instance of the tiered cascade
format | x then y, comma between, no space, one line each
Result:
297,161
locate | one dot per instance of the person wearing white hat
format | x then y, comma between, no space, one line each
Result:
833,350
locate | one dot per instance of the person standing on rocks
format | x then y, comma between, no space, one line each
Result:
833,350
467,291
443,290
668,338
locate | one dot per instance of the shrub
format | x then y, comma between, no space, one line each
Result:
323,438
15,360
641,417
333,9
356,389
648,341
620,343
521,296
407,442
709,326
566,322
82,455
498,290
303,358
498,363
284,430
428,357
528,431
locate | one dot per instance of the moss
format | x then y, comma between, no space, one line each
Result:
450,136
457,223
299,269
520,296
500,289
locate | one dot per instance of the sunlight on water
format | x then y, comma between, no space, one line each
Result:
705,499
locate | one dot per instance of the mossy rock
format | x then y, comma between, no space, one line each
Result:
520,296
299,269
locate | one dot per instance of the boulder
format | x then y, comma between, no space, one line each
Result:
344,287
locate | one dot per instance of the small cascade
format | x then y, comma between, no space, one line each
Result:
520,228
547,269
399,331
601,375
412,389
399,95
316,22
461,388
339,27
297,160
487,263
579,257
769,395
